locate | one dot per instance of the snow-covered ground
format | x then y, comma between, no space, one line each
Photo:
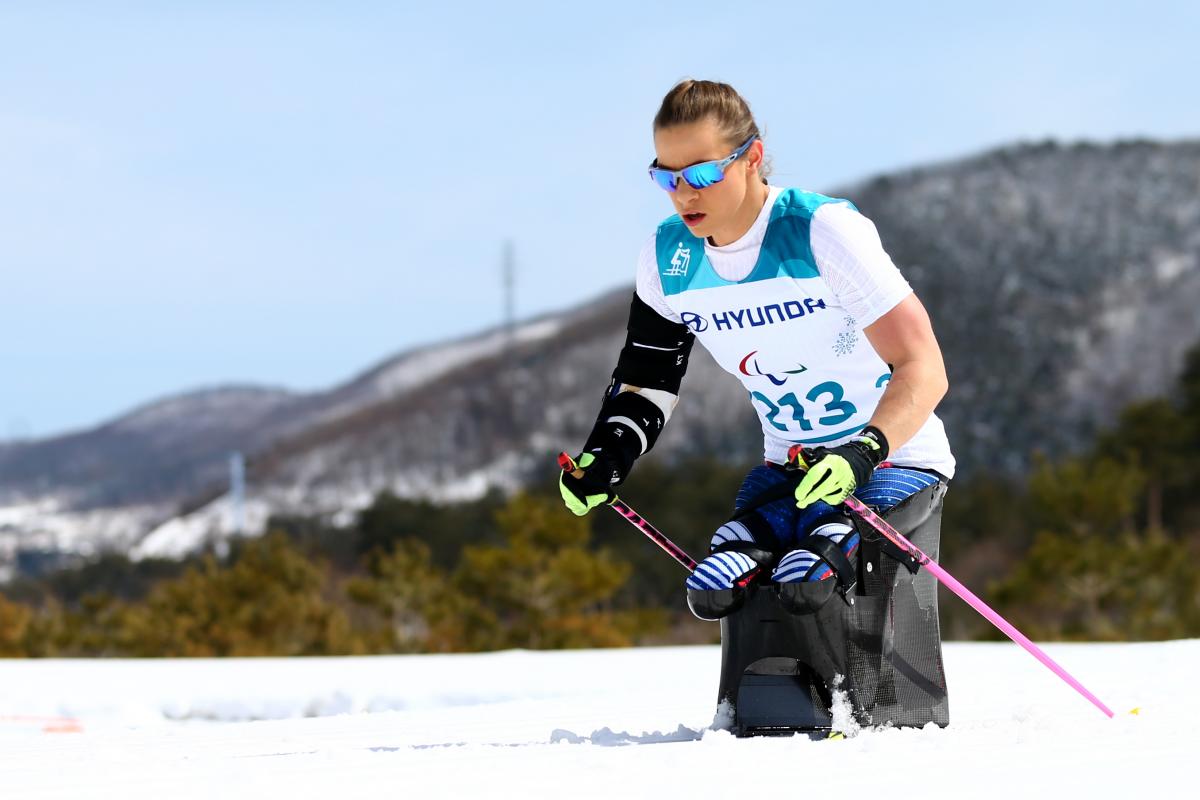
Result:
598,723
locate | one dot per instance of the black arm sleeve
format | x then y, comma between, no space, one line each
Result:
656,350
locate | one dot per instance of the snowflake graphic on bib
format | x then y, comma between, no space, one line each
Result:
847,339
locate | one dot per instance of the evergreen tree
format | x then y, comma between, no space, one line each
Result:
419,610
445,528
1138,586
1189,384
14,625
544,588
1155,436
268,601
1090,497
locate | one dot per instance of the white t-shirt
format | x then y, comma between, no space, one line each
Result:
794,338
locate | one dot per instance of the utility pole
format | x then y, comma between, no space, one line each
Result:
509,280
508,361
237,492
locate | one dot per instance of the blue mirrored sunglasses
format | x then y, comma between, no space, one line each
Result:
698,176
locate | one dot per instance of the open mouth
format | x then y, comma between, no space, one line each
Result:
694,218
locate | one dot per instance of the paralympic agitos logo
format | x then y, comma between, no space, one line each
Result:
755,317
749,361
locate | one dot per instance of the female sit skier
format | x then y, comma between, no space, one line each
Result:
791,292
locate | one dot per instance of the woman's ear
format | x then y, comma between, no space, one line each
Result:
754,157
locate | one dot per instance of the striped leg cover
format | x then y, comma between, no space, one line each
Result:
722,570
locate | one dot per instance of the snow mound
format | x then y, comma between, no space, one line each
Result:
607,737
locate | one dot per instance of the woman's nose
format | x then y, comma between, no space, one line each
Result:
684,193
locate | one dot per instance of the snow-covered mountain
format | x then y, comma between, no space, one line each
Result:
1062,281
159,472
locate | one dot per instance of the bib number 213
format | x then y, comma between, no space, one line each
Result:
830,394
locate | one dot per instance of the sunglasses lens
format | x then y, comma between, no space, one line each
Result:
703,175
665,179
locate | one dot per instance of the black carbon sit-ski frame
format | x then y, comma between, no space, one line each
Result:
779,668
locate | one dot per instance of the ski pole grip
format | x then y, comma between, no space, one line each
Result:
798,457
567,464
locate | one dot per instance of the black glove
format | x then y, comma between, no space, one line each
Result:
833,473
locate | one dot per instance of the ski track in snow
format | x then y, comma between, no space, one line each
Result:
575,724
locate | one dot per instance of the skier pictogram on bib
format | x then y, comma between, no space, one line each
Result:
680,262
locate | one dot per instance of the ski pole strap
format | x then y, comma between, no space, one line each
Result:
871,537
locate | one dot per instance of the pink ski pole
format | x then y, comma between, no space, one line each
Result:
567,464
948,580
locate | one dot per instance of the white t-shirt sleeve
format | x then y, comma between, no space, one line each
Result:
851,259
649,285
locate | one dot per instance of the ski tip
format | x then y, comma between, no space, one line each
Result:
835,735
1136,711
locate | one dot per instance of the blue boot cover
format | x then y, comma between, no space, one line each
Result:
804,565
802,577
721,570
717,587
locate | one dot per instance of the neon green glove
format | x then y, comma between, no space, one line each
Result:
833,474
592,489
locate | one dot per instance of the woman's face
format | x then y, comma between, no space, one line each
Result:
720,210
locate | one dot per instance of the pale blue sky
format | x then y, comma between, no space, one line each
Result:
284,193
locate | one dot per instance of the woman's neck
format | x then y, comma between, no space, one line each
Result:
747,213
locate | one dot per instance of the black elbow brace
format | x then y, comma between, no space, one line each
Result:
627,427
